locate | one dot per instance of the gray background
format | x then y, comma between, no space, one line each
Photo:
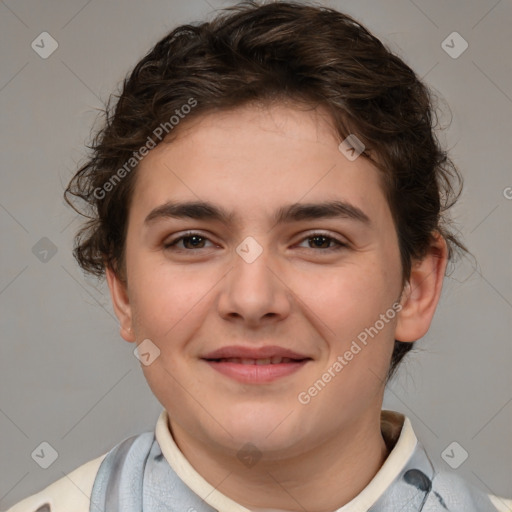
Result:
68,378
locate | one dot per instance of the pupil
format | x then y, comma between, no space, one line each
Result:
317,238
196,239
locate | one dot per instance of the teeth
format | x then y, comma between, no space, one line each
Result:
268,360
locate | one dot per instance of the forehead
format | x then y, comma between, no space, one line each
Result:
254,159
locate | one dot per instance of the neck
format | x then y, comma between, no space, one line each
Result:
322,479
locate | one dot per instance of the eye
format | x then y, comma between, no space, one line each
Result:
191,240
321,239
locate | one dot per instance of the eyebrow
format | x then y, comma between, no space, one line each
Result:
203,210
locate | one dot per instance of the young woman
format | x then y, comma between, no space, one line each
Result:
268,198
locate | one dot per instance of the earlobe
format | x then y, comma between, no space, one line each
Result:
121,304
422,292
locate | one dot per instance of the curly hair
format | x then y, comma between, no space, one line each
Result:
280,51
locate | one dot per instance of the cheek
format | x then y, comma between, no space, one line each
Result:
162,294
347,299
170,307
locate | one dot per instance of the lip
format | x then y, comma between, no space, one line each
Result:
253,353
255,373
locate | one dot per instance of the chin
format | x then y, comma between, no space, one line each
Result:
266,426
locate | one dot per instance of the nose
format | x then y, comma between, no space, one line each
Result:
254,292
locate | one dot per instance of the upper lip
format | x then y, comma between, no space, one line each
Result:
241,352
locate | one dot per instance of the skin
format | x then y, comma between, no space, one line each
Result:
190,301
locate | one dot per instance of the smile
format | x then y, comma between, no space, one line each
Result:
256,371
268,360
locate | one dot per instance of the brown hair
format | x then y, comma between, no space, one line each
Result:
273,52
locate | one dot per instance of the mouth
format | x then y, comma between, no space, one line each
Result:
256,366
260,362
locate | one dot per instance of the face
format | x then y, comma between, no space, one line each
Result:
217,293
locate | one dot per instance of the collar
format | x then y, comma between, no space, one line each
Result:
396,430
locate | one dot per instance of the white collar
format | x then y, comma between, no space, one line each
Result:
396,430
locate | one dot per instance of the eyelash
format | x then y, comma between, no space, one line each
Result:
339,245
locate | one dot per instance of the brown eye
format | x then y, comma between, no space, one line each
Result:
323,241
190,241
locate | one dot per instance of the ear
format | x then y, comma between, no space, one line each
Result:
121,304
422,292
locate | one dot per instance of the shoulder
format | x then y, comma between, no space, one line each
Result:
452,492
443,490
71,493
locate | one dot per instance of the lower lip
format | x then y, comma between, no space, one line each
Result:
256,373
